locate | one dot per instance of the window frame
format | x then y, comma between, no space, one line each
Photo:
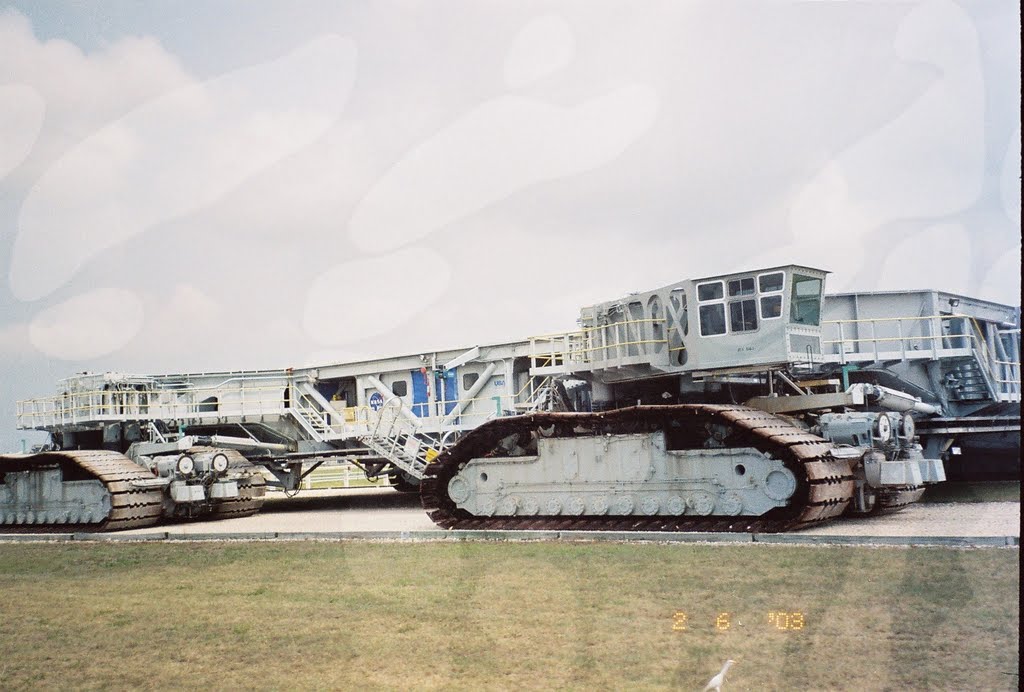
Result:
760,306
780,292
818,298
721,285
709,302
782,289
740,280
725,318
755,299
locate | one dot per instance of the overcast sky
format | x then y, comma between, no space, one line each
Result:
228,185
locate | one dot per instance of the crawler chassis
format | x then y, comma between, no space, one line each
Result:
727,403
652,468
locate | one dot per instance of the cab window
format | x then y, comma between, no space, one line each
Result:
806,300
769,283
771,306
741,287
710,291
712,319
743,315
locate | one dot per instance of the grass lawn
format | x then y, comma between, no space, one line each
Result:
505,616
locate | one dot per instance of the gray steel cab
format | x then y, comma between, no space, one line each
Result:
742,321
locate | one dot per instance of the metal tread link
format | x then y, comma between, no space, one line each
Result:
825,485
252,488
891,500
251,493
131,507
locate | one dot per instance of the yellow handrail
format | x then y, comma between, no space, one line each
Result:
975,337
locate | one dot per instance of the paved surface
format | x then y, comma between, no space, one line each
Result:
383,509
321,511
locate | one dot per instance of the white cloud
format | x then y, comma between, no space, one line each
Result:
1009,180
365,298
542,47
14,339
800,102
1001,281
938,257
925,163
83,91
180,321
89,325
21,119
174,155
499,148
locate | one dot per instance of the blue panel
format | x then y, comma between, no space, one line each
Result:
446,388
419,394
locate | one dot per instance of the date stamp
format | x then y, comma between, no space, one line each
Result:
779,620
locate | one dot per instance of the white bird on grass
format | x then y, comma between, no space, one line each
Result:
716,682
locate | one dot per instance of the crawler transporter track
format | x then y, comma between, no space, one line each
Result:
252,487
77,490
653,468
892,500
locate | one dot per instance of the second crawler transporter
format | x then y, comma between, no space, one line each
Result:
712,404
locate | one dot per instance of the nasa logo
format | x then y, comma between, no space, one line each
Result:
376,401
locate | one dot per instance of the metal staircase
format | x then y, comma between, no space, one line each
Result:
396,439
316,415
387,432
965,380
543,396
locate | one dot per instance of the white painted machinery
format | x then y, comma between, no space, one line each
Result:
724,403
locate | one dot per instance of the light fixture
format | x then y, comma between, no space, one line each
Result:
883,428
220,463
908,429
186,464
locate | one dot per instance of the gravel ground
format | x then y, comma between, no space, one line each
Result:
944,519
383,509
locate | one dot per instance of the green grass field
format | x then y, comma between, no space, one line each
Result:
504,616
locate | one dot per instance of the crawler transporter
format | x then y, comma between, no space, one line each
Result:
741,402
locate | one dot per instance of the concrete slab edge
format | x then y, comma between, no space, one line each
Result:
520,536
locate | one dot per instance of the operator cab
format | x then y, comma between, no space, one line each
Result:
741,321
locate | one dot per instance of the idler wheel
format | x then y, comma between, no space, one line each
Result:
780,485
458,490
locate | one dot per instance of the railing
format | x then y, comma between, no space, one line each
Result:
603,343
937,336
112,405
1007,341
341,476
397,440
